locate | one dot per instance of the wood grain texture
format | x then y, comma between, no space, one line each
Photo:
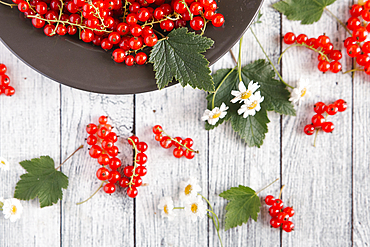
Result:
318,180
178,111
29,128
232,163
105,220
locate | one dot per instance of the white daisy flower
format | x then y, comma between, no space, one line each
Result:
195,208
189,189
243,94
251,106
166,207
4,164
213,116
12,209
301,92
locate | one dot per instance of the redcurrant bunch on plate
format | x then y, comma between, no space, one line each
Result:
182,146
327,56
130,25
319,121
280,215
5,88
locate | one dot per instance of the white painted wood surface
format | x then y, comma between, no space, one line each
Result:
327,185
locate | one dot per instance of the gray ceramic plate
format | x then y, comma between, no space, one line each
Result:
76,64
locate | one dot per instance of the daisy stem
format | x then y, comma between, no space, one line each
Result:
101,185
339,21
214,94
267,186
281,190
273,66
179,208
240,59
69,156
233,57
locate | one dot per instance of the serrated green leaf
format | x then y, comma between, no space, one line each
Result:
306,11
244,204
42,181
275,92
179,56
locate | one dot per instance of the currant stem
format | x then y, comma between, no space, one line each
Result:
214,94
304,45
135,164
267,186
9,4
69,156
240,59
101,185
352,70
187,7
314,141
205,25
273,66
182,145
281,190
233,57
339,21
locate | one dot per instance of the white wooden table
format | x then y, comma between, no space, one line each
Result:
327,185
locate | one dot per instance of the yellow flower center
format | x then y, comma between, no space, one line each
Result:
188,189
217,115
194,208
246,95
14,209
165,209
253,105
2,162
303,92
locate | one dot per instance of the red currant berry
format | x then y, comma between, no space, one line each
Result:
269,200
356,10
49,30
4,80
218,20
151,40
103,174
107,145
87,35
318,120
141,158
367,68
3,68
321,58
366,46
328,48
157,129
319,107
335,55
111,137
177,141
141,171
275,223
158,138
132,192
141,58
134,7
123,182
349,41
91,129
137,181
366,14
115,176
166,142
122,28
158,13
288,226
104,159
290,211
133,139
23,6
197,23
130,60
188,142
95,151
103,119
324,66
131,19
128,171
335,66
309,129
143,14
353,23
136,30
91,140
289,38
179,7
196,8
209,15
353,50
332,109
362,59
178,152
302,39
281,217
278,204
312,43
9,91
328,127
167,25
109,188
341,104
142,146
38,23
119,55
322,41
102,132
61,30
136,43
113,151
360,34
189,154
274,211
115,163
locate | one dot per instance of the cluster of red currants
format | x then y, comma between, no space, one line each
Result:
319,121
356,45
280,216
5,81
182,146
125,25
102,140
328,57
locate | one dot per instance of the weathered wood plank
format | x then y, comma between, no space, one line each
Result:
29,128
318,180
104,220
178,111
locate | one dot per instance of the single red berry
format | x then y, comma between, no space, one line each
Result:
362,59
157,129
123,182
167,25
142,146
103,119
281,217
360,34
324,66
131,19
289,38
278,204
111,137
218,20
158,138
309,129
107,144
321,58
275,223
130,60
196,8
119,55
134,139
269,200
95,151
179,7
137,181
367,68
151,40
311,42
274,211
3,68
141,158
9,91
113,151
115,176
290,211
178,152
103,173
302,39
177,141
91,140
335,55
23,6
128,171
353,50
91,129
158,13
132,192
4,80
322,41
335,66
103,132
328,48
288,226
366,46
115,163
209,15
332,109
166,142
143,14
87,35
356,10
366,14
197,23
141,171
136,43
319,107
104,159
328,127
349,41
141,58
341,104
188,142
122,28
109,188
353,23
189,154
136,30
318,120
41,8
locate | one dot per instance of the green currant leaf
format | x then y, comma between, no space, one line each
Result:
244,204
179,56
42,181
306,11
